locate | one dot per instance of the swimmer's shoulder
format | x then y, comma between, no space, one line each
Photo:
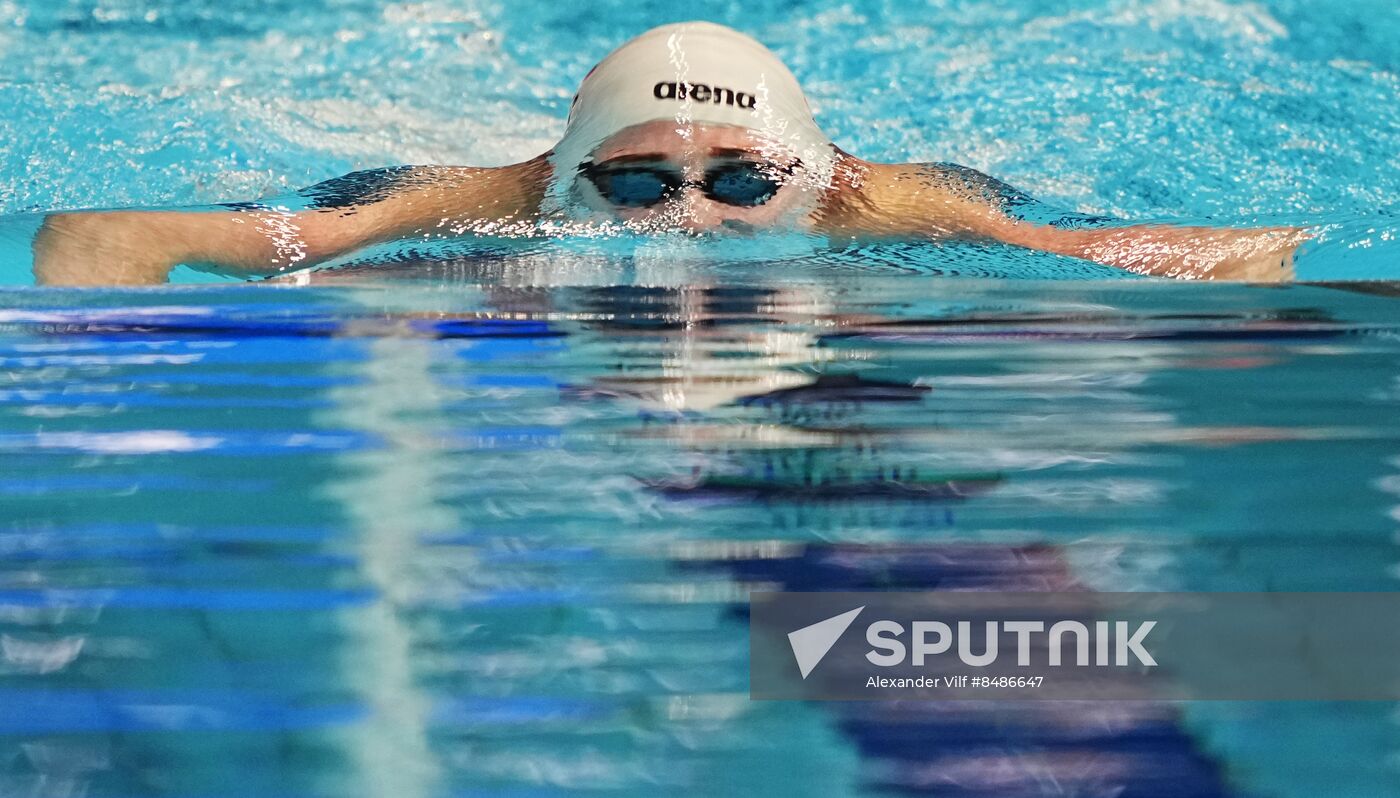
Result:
961,192
515,190
921,199
362,188
951,180
371,186
367,186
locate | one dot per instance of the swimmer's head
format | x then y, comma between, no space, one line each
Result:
692,126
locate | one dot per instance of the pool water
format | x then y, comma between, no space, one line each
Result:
1191,110
429,540
481,519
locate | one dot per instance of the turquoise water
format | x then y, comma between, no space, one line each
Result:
1201,110
481,521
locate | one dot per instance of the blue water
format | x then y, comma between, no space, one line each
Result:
481,520
1195,110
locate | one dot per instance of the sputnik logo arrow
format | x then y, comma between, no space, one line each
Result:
810,643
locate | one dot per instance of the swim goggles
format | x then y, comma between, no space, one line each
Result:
638,185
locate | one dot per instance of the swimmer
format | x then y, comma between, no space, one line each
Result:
690,128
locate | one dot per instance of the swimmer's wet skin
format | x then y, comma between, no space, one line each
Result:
687,128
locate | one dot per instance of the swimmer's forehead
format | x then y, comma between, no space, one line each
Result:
667,157
665,140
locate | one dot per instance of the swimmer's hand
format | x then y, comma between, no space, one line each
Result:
123,248
1204,253
116,248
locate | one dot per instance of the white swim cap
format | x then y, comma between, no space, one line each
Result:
694,73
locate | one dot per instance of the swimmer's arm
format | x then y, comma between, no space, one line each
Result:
1210,253
109,248
141,247
954,202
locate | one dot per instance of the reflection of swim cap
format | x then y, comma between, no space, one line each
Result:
694,73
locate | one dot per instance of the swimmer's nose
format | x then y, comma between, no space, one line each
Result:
700,213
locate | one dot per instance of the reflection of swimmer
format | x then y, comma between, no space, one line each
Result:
969,748
691,128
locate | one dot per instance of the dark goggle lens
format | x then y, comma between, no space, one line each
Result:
740,184
744,185
633,188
